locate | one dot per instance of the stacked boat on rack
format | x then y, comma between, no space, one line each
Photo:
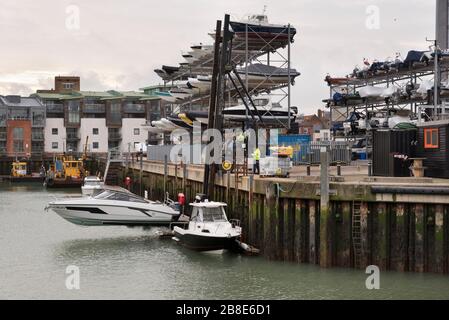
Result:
270,112
253,36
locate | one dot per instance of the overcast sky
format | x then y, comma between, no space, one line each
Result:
119,43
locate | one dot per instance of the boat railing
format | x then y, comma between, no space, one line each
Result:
235,222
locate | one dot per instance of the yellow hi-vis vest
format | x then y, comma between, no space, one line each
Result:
256,154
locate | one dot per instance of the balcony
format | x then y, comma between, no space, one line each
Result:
72,137
37,149
114,136
134,108
94,108
37,136
55,108
16,117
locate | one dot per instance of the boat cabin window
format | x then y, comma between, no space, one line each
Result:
118,196
261,102
259,18
92,182
213,214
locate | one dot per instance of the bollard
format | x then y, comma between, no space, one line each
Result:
339,169
370,169
308,170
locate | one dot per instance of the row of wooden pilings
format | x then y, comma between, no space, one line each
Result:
394,236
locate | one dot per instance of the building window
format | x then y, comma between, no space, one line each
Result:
38,118
73,111
17,134
18,146
115,113
68,85
95,131
54,145
431,139
95,145
136,131
54,131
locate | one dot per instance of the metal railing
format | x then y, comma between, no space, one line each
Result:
37,136
176,153
72,136
309,153
133,108
94,108
55,108
114,136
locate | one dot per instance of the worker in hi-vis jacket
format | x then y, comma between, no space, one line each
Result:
256,161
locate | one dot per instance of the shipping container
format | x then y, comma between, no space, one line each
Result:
433,148
391,150
299,143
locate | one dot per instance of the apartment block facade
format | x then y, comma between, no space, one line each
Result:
63,119
22,123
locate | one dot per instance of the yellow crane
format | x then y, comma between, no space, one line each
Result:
85,148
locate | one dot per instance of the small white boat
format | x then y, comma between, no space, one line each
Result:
91,184
115,206
270,112
189,57
376,92
209,228
180,93
152,129
169,124
162,126
200,51
201,82
260,75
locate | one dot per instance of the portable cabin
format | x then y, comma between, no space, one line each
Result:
433,147
391,149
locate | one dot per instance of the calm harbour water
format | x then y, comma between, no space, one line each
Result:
123,263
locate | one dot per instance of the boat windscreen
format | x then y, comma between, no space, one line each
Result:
119,196
214,214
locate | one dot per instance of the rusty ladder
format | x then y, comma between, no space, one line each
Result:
357,232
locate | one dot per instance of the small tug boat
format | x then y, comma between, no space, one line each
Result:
209,228
19,173
65,171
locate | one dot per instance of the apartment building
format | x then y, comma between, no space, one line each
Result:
22,122
64,118
109,119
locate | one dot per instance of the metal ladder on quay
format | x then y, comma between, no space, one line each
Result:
357,232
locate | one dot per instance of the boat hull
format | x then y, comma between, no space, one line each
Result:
116,216
205,243
64,183
265,32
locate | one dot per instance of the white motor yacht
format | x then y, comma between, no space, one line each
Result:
115,206
269,111
209,228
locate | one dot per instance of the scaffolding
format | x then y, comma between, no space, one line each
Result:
245,50
406,79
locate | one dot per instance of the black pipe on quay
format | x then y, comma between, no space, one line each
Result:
411,190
